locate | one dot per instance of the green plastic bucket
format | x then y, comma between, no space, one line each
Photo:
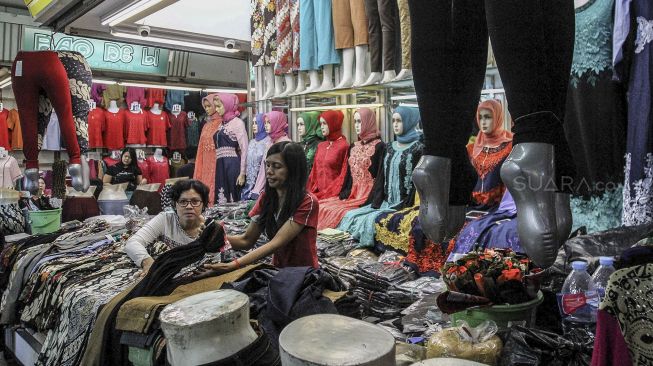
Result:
45,222
503,315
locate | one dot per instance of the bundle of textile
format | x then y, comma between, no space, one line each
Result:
345,268
326,247
373,280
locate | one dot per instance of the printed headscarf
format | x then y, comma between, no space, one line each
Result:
209,98
369,129
278,125
334,120
311,126
410,118
230,103
499,135
260,127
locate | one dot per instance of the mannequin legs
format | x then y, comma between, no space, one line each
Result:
301,82
361,60
314,81
347,65
268,73
404,74
278,85
327,78
290,85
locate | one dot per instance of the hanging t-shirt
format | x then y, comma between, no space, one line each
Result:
114,92
9,171
136,94
114,130
95,128
175,97
175,166
13,122
52,138
136,127
178,125
159,170
145,169
193,102
157,126
96,93
4,130
154,95
193,131
120,174
302,250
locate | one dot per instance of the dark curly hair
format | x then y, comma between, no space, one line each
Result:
187,184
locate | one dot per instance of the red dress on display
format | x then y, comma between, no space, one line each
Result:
96,126
154,95
178,125
4,130
114,130
157,126
330,165
159,170
109,161
144,166
364,161
136,127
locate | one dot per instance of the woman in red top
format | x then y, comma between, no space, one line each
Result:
284,211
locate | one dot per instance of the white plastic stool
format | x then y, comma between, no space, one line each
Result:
329,340
207,327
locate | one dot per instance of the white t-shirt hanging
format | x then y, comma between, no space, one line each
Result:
52,138
9,171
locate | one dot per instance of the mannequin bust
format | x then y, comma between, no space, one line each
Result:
2,107
115,154
113,107
191,115
301,127
3,152
140,154
398,127
207,327
156,109
91,105
135,107
176,157
176,109
158,155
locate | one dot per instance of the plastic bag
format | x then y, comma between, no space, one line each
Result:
480,344
525,346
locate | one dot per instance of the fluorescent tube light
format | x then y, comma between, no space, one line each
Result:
411,105
329,107
5,82
129,11
169,87
175,42
225,90
404,97
493,91
102,81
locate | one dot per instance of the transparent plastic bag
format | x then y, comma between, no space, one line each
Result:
480,344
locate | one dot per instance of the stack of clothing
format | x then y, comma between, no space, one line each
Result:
374,280
344,268
334,243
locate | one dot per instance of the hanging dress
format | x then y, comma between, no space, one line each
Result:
228,160
364,161
206,155
255,153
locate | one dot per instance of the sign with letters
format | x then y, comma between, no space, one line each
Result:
100,54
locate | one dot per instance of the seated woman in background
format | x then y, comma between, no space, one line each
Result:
285,212
126,171
177,228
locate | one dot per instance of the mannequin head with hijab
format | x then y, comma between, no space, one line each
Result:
276,125
208,103
489,118
331,124
404,124
308,126
227,106
365,125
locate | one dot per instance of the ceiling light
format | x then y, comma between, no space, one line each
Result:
410,105
175,42
493,91
169,87
225,90
5,85
404,97
129,11
5,82
329,107
106,82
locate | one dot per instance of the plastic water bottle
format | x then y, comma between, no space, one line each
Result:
576,297
600,278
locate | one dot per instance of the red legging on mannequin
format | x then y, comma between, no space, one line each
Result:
42,70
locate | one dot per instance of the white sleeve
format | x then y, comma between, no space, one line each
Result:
135,247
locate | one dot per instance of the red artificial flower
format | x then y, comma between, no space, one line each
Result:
510,274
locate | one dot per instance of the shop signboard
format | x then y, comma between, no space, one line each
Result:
100,54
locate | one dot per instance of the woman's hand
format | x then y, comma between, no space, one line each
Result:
221,268
147,263
241,180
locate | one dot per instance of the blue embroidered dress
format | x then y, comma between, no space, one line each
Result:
255,152
393,190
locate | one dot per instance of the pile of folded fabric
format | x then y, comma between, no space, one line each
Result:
374,280
334,243
345,267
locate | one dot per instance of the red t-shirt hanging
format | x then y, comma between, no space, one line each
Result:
136,127
154,95
4,130
96,125
302,250
178,125
114,130
145,169
159,170
157,126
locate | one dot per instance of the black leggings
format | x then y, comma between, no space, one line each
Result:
533,42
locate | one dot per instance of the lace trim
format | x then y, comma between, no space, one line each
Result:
593,41
638,204
226,152
360,162
490,158
644,33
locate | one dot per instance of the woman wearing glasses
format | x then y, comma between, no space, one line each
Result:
285,212
173,228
